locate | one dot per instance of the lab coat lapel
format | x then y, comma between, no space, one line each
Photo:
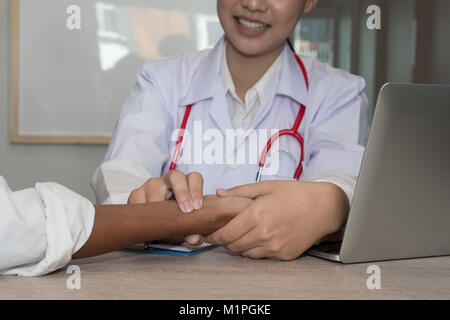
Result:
203,82
207,84
219,113
291,83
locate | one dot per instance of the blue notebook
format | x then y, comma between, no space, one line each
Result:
172,250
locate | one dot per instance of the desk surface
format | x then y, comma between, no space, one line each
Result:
217,274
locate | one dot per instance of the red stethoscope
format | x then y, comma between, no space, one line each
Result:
293,132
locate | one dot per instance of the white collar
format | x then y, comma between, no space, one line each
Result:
271,77
291,82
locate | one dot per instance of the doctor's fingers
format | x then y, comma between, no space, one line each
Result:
153,190
195,182
245,243
252,190
188,189
255,253
136,196
177,181
235,229
139,196
195,239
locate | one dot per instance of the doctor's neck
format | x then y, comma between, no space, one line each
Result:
246,70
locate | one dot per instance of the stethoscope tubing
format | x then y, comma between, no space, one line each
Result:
293,132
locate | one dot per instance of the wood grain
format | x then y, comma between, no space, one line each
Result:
217,274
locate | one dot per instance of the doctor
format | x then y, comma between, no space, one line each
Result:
249,82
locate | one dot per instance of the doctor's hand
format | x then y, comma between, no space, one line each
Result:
187,190
285,220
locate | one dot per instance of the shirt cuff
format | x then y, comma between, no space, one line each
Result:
69,219
344,181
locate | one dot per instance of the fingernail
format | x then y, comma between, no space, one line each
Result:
195,240
187,206
222,191
198,204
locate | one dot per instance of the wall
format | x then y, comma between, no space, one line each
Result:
440,49
400,48
366,62
433,48
23,165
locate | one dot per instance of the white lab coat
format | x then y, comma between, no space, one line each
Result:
335,126
41,228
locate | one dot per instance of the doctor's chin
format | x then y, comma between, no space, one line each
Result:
227,155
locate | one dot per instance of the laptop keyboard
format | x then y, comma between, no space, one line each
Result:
331,248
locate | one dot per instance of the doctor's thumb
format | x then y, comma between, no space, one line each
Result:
251,191
233,192
221,192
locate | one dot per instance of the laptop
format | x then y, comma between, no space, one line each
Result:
401,206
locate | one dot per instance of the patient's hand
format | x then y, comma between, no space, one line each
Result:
119,226
216,212
224,209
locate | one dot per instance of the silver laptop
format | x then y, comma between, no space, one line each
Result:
401,207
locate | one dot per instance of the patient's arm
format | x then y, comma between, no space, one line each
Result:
119,226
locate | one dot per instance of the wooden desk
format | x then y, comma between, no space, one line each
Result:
218,275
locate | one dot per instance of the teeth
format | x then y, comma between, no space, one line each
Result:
252,25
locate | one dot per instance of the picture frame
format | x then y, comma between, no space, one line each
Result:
67,85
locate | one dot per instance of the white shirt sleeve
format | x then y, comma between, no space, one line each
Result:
114,180
338,133
41,228
344,181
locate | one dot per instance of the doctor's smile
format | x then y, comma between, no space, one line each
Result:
251,27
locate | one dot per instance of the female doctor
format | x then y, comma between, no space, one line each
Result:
251,80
